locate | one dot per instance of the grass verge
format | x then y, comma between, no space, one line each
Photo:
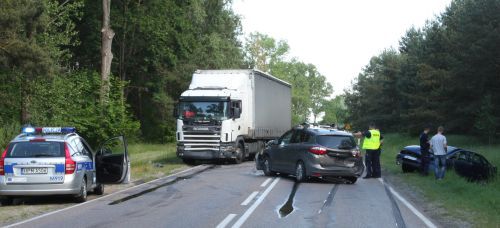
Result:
150,161
477,203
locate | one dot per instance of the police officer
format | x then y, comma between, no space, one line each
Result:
371,143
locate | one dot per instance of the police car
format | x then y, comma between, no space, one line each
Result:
57,161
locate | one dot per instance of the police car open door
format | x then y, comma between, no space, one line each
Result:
112,161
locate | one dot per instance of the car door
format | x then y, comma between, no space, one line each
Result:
112,161
280,151
291,154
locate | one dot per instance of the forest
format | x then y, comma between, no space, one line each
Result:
446,73
50,59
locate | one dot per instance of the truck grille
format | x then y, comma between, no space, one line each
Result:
201,140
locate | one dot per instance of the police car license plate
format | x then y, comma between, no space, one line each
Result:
34,170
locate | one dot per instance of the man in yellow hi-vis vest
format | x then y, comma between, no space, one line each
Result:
371,143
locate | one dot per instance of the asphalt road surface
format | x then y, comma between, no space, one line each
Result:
240,196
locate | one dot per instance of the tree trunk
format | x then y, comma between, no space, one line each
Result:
106,55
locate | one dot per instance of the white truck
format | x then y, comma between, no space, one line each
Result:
231,114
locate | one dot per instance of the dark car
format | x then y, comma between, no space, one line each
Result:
410,158
473,166
312,152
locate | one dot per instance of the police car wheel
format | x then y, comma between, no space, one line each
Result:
99,189
82,196
6,201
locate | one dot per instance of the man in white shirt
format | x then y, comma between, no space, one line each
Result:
439,148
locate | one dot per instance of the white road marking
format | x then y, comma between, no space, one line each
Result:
90,201
411,207
249,199
226,221
266,182
252,208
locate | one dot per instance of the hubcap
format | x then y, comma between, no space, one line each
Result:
266,165
299,171
84,189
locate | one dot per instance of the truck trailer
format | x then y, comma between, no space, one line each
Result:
231,114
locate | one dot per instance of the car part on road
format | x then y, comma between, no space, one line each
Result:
287,208
300,172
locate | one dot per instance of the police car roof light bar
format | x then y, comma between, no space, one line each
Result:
48,130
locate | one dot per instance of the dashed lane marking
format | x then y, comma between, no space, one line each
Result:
226,221
252,208
266,182
249,199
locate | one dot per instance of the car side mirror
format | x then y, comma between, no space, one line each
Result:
272,142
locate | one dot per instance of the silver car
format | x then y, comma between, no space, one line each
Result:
57,161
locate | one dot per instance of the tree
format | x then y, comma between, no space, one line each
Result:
106,54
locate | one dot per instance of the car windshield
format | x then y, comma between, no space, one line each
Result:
203,111
336,141
35,149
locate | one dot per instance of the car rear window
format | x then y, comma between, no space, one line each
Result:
336,141
35,149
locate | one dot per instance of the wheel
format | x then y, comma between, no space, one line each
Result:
300,172
407,168
6,201
240,154
351,180
267,167
82,196
99,189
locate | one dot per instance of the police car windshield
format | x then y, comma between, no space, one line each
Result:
337,141
35,149
203,110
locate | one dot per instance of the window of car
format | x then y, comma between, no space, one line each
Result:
296,138
336,141
286,138
35,149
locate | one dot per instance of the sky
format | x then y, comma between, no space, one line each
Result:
338,36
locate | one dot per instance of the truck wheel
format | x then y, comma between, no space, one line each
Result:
300,172
240,154
82,196
267,167
99,189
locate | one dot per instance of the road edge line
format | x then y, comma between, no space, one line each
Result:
102,197
266,182
249,198
254,206
422,217
226,221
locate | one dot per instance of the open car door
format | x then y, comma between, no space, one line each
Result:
112,161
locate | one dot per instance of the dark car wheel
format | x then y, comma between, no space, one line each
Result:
99,189
188,161
407,168
82,196
300,172
267,167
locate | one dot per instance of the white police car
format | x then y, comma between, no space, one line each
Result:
57,161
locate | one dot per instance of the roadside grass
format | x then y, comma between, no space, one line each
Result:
477,203
150,161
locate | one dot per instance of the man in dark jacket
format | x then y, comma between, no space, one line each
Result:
424,151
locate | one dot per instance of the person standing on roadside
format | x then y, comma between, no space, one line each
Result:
371,144
439,147
424,151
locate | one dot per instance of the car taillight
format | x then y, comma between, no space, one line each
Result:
2,161
70,165
317,150
356,153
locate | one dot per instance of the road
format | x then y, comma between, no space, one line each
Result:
240,196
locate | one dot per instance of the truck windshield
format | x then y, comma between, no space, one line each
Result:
203,110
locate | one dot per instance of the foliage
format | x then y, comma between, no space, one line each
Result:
336,111
445,73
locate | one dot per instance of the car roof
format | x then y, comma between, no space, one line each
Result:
322,131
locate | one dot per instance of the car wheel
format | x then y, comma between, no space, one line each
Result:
300,172
82,196
240,154
351,180
99,189
6,201
407,168
267,167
